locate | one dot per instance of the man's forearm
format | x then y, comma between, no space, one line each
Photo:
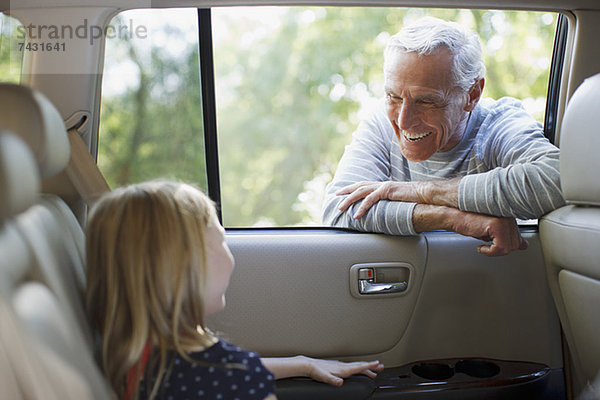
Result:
503,233
428,217
439,192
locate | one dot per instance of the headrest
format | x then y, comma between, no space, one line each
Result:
580,144
19,179
29,114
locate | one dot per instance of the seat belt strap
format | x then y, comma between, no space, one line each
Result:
83,172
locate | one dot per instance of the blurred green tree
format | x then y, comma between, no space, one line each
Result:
151,116
292,84
10,56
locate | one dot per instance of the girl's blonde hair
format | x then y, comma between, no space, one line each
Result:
146,265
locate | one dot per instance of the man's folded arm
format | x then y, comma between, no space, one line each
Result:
389,217
526,189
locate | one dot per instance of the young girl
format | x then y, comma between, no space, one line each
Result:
158,264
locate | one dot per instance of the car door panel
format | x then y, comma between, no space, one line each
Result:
474,306
290,294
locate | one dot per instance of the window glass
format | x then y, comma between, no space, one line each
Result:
292,84
12,38
151,112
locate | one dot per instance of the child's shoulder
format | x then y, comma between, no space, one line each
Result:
223,353
221,371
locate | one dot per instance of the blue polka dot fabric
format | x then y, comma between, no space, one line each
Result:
246,379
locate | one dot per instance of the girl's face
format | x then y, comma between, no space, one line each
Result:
219,266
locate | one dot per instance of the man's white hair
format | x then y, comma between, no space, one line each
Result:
427,34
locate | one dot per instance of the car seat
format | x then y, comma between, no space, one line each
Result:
42,270
570,235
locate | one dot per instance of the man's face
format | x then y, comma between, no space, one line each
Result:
427,111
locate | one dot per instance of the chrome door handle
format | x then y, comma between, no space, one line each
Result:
375,279
368,286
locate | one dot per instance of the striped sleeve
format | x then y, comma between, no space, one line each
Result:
523,180
367,159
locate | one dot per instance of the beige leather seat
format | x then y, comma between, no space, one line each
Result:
28,369
570,236
42,275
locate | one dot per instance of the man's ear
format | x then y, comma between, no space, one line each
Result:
474,94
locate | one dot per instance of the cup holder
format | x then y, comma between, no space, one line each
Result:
477,368
442,372
433,371
469,377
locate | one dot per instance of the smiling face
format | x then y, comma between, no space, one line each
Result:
427,111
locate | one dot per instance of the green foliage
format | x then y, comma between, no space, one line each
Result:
291,84
10,57
153,127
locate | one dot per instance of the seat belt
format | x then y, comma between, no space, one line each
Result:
83,172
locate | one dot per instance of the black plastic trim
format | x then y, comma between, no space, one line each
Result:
209,107
556,69
334,230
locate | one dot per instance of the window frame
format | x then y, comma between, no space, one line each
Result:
555,79
209,110
209,107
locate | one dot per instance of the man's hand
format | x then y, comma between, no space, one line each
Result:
503,232
441,193
372,192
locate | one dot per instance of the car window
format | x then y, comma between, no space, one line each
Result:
151,114
12,40
291,85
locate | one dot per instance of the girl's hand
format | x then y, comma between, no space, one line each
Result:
326,371
333,372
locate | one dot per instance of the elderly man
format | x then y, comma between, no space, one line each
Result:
439,158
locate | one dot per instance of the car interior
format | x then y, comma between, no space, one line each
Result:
460,325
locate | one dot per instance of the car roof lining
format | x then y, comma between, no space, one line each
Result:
545,5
